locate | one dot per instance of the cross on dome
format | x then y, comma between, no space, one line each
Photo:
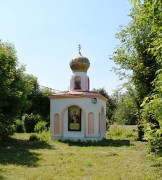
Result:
79,48
79,63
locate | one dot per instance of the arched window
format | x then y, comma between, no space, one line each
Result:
91,123
56,124
77,83
74,118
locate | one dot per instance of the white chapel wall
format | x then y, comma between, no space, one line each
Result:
60,105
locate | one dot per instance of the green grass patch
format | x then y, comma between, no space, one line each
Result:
119,156
122,132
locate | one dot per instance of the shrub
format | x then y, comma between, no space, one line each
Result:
128,134
118,132
34,137
19,126
40,126
30,122
6,129
43,136
154,137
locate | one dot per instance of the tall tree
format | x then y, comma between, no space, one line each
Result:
19,92
133,52
13,88
151,13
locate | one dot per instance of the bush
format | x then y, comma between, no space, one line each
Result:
7,128
19,126
43,136
34,137
154,137
40,127
30,122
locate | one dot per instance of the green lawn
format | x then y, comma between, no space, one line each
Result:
120,156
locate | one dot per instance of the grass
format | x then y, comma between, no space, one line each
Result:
119,156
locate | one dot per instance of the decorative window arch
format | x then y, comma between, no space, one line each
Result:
91,123
74,118
77,83
56,124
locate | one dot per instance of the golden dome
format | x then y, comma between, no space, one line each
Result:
79,63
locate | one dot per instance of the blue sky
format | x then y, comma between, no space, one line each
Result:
46,34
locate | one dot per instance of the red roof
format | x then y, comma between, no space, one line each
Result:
77,94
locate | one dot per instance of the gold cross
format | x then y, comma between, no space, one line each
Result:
79,47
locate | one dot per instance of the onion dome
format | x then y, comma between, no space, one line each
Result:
79,63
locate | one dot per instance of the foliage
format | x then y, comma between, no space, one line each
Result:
13,89
19,125
154,136
40,103
151,13
110,105
19,92
42,136
132,55
152,110
126,108
140,51
30,121
39,108
6,127
34,137
122,132
8,63
40,127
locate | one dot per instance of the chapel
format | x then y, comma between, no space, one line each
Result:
79,114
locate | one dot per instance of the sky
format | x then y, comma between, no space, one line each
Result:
46,35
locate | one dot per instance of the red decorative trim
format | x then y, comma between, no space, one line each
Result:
77,95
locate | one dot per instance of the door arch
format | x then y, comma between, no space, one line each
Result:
65,113
74,118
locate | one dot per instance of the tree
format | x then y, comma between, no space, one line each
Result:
126,108
40,103
151,13
13,89
133,52
20,93
110,105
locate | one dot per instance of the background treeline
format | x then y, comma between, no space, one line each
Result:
121,107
